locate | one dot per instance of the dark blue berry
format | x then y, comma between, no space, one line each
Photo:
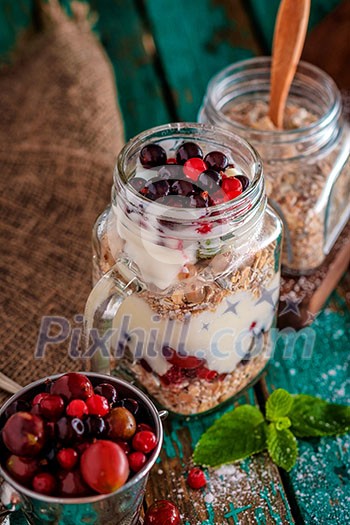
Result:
157,189
182,187
244,181
209,180
188,150
216,160
152,155
130,404
95,426
199,200
108,391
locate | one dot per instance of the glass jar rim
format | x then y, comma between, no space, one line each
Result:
224,210
283,136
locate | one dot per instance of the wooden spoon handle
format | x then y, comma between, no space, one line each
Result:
288,42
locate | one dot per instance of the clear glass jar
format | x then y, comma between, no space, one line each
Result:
191,293
306,165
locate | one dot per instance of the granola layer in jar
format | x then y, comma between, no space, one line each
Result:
306,164
190,291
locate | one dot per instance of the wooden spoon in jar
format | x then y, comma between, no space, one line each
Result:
288,42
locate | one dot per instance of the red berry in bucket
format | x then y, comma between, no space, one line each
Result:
52,406
137,460
67,458
44,483
77,408
144,441
97,405
22,469
121,423
108,391
104,466
72,386
24,434
196,478
162,512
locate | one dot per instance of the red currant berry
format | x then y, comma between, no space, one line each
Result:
196,478
232,187
137,460
97,405
51,406
144,441
77,408
67,458
162,512
44,483
39,397
171,161
194,167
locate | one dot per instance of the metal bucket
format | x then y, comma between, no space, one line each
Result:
121,507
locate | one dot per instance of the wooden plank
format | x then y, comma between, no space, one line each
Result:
247,492
263,12
320,482
209,35
15,18
129,47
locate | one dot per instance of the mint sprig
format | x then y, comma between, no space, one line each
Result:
244,431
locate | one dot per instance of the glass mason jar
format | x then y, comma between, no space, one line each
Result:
189,293
307,169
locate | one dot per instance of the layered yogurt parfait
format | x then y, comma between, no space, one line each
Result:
191,252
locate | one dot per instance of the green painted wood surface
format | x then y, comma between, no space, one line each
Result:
320,482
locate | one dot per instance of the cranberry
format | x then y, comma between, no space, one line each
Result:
216,160
71,484
22,469
44,483
77,408
24,434
39,397
162,512
180,360
67,458
205,373
144,441
137,460
188,150
104,466
121,424
72,386
209,180
51,406
95,426
243,180
194,167
97,405
196,478
108,391
152,155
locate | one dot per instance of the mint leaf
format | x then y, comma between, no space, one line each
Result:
236,435
279,404
282,447
282,423
314,417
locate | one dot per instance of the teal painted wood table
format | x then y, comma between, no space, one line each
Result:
163,53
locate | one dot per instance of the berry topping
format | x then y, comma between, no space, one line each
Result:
181,360
194,167
22,469
216,160
108,391
52,406
162,512
72,386
137,460
97,405
188,150
44,483
205,373
67,458
152,155
196,478
232,187
104,466
77,408
121,424
95,427
173,376
144,441
209,180
24,434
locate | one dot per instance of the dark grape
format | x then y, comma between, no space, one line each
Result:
152,155
216,160
157,189
188,150
244,181
209,180
182,187
95,426
108,391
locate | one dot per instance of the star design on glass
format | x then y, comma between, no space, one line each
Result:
267,296
205,326
231,307
310,317
291,306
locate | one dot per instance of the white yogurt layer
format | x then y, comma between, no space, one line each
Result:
222,336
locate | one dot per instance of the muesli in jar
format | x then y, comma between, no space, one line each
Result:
306,163
191,252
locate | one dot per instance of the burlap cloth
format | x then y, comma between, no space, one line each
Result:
60,131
